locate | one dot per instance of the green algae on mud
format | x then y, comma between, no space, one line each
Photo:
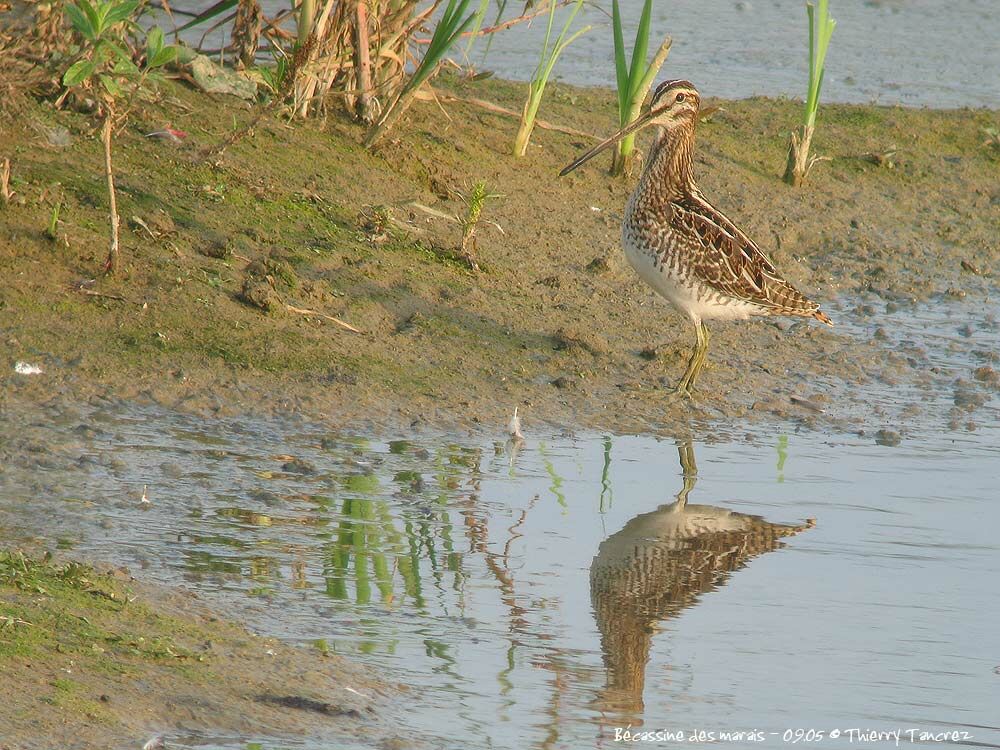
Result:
96,659
441,343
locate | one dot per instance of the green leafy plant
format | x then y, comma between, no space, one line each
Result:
634,77
107,70
536,87
454,21
275,77
52,228
821,28
475,201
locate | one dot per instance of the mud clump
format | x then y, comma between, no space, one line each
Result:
889,438
273,269
259,294
218,249
967,397
261,281
570,340
648,353
308,704
299,466
987,376
599,265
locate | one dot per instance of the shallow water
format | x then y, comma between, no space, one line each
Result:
547,594
911,52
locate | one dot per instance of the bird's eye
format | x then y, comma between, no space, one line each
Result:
680,98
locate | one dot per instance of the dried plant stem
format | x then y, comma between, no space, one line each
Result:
114,257
363,63
246,32
338,321
799,163
101,295
453,22
5,191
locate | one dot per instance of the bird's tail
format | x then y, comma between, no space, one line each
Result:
822,318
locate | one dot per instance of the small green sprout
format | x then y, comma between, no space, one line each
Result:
475,201
106,69
52,229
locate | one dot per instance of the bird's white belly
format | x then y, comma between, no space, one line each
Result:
696,301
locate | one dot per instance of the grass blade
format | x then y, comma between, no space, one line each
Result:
209,13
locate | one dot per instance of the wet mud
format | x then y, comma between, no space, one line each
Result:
236,267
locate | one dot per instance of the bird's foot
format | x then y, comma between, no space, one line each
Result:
681,391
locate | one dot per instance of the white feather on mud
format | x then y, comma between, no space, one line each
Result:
23,368
514,427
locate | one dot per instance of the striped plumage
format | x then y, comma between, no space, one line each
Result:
682,246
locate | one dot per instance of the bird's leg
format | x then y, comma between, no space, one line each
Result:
702,354
686,385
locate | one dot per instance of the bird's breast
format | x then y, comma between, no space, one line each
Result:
661,259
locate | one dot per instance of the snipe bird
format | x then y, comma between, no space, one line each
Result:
687,250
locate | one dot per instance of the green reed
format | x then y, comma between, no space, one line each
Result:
536,87
821,28
634,76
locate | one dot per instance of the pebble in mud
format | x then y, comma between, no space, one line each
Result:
171,470
648,353
888,438
967,397
266,497
987,376
396,743
87,431
777,407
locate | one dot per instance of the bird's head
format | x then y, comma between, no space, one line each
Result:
674,105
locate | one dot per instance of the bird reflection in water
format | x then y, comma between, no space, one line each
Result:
658,564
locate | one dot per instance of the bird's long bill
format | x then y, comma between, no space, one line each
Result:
637,124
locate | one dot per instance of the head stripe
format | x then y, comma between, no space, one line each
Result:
677,83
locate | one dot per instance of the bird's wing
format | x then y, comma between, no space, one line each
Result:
729,261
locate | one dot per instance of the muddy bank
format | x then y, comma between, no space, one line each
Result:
97,659
905,213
